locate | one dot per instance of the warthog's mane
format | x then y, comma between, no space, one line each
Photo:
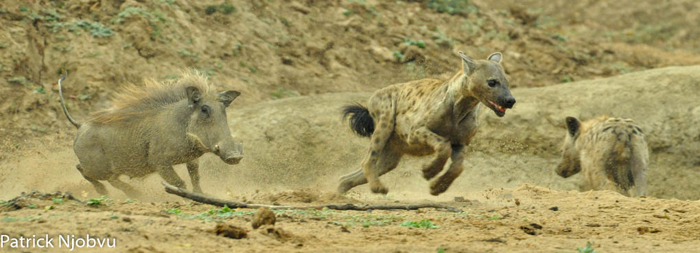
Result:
135,101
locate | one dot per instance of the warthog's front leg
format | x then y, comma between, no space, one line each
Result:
441,145
441,184
193,169
168,173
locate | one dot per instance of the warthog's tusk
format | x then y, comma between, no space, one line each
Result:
197,142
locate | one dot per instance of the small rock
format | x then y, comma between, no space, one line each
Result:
554,208
264,216
460,199
300,8
126,219
229,231
382,54
517,202
644,230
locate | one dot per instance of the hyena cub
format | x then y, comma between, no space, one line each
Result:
611,152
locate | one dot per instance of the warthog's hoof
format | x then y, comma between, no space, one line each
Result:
380,189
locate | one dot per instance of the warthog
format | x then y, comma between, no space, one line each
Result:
153,127
611,152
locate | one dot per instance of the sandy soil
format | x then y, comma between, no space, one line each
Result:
298,62
524,219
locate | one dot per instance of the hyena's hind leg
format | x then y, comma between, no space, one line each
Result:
99,187
388,160
384,127
443,182
638,166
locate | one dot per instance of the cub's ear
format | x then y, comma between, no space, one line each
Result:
228,96
573,125
468,64
495,57
193,94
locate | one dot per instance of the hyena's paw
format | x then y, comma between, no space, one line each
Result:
439,186
380,189
430,170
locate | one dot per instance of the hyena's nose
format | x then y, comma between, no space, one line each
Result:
509,102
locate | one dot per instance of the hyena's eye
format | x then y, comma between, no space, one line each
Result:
492,83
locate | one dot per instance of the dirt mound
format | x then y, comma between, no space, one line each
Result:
302,195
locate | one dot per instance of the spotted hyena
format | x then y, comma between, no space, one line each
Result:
611,152
426,117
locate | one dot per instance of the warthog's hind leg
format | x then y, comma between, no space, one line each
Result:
99,187
126,188
441,184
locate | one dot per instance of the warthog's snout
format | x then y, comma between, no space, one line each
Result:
233,156
233,160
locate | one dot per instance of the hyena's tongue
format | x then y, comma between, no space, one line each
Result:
498,107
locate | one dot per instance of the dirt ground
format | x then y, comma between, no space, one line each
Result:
298,62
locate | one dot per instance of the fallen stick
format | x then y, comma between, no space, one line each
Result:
198,197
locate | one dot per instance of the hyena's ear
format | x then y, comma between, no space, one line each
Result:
573,125
495,57
468,64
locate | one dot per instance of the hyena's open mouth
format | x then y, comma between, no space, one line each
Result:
499,110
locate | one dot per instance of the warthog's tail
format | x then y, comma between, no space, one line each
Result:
63,103
360,120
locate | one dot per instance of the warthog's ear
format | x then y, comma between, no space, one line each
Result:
495,57
228,96
573,125
193,94
468,64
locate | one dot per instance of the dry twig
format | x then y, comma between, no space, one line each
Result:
198,197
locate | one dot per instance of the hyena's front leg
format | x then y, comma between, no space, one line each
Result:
441,184
441,146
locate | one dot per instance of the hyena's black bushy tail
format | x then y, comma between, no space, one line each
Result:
360,120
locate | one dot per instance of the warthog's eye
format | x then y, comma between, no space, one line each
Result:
206,110
492,83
